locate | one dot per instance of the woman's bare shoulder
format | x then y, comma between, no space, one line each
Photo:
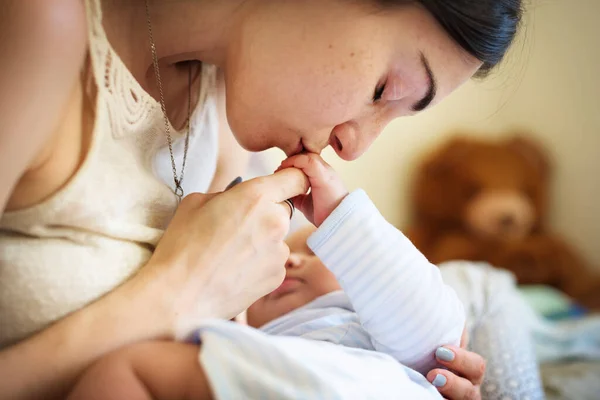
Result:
42,45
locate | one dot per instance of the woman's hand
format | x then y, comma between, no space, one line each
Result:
222,252
219,254
326,188
466,370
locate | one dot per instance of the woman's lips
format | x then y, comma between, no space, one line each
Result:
297,150
288,286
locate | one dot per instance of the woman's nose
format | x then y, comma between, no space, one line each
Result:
351,139
293,261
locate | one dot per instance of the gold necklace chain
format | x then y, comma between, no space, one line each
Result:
178,180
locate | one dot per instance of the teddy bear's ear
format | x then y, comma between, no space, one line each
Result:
448,156
532,152
437,192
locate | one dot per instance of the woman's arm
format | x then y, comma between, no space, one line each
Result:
193,274
43,44
47,364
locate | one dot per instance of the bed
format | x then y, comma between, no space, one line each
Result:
537,342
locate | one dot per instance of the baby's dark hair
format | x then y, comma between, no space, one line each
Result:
484,28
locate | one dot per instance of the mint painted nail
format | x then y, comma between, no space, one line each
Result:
444,354
439,381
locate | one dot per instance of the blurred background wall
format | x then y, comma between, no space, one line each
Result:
549,85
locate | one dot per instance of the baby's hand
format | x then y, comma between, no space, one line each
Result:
326,188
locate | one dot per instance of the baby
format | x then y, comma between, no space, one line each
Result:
359,314
368,310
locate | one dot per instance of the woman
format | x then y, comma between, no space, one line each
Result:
96,97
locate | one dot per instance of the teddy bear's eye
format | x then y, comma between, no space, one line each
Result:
530,191
472,189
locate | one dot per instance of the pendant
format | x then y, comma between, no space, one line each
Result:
179,193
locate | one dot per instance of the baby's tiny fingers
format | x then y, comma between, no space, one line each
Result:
299,161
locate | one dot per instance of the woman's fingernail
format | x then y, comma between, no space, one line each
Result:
439,381
444,354
234,182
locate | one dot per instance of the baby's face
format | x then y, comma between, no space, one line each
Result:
306,279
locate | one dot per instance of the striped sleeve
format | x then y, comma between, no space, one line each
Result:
399,296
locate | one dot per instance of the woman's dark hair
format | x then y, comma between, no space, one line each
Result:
484,28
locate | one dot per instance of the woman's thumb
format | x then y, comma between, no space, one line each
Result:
198,199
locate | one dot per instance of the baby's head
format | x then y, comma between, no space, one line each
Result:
306,279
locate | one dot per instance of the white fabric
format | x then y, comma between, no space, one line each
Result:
499,322
245,363
567,340
403,308
500,330
95,232
394,303
500,326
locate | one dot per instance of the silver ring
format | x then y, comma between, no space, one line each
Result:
291,205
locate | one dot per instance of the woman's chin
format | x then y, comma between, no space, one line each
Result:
255,146
250,141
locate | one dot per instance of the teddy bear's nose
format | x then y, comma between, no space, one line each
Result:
507,221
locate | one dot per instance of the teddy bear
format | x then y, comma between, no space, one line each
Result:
485,200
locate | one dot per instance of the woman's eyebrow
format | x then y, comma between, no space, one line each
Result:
431,90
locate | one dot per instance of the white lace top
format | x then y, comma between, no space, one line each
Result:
72,248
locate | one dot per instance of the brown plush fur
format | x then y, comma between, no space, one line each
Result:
486,201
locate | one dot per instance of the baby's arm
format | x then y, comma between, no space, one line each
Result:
158,370
398,295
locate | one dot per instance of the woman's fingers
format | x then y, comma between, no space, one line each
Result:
463,362
196,200
465,372
464,339
453,387
288,204
280,186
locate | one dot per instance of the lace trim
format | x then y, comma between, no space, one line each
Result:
128,104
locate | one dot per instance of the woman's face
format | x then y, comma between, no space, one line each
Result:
308,74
